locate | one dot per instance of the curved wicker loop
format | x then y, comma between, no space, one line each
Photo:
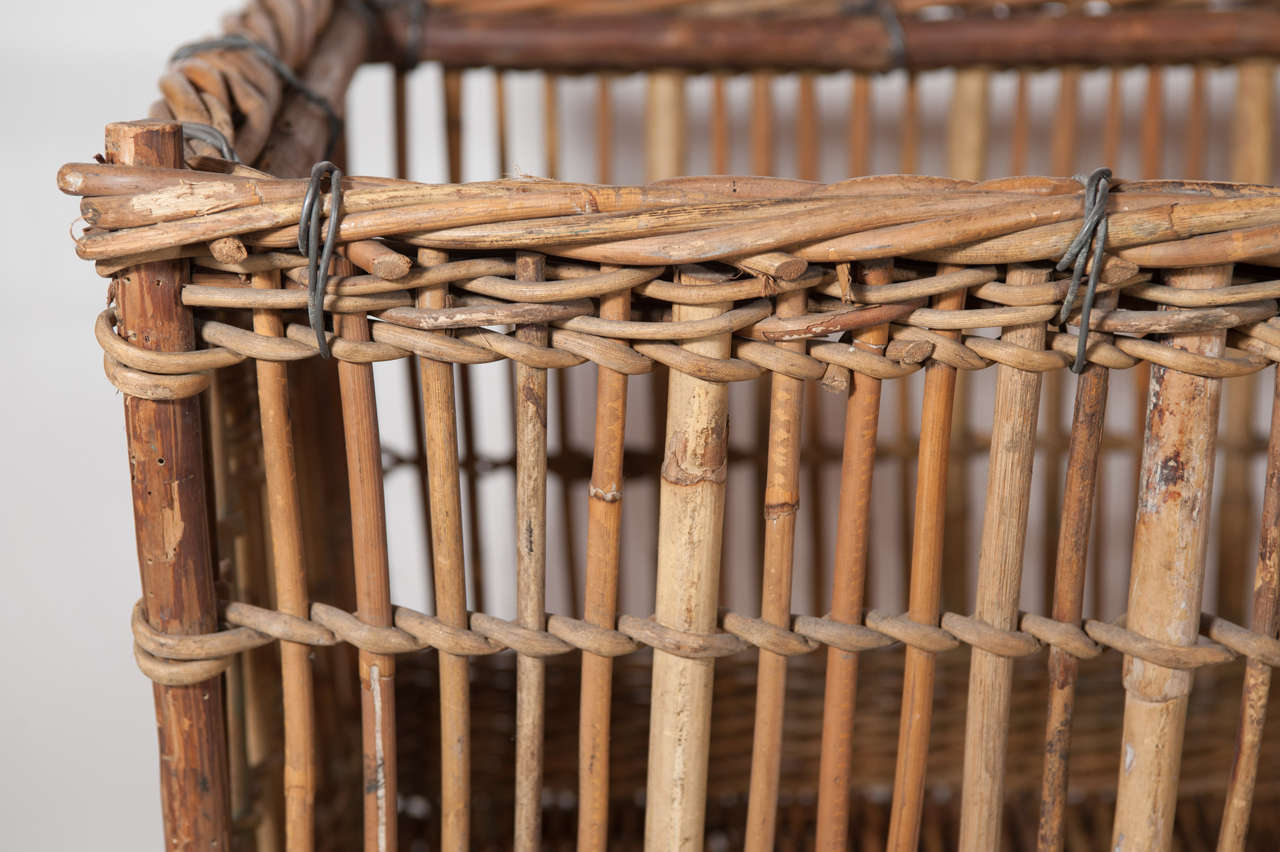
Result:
1013,355
131,382
979,634
199,646
366,637
152,361
1231,363
278,625
246,343
1246,643
861,361
170,673
847,637
700,366
694,646
186,659
522,640
590,637
778,360
768,637
1059,634
1166,654
945,350
923,637
431,632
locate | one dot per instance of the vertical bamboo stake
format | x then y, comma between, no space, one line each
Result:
762,142
285,515
808,130
453,132
1113,122
781,500
1257,675
166,459
401,122
690,531
551,124
1195,136
500,118
909,144
1167,578
373,591
665,125
531,569
860,112
967,135
1078,505
604,528
1251,163
853,540
967,125
1004,535
924,597
1020,132
719,125
604,128
440,419
1052,438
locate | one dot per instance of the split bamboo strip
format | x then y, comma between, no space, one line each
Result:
1170,537
531,570
373,593
285,518
171,521
924,597
604,551
849,571
1004,531
1078,508
690,524
440,422
781,502
1257,678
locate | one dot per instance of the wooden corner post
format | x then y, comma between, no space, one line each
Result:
1167,579
166,462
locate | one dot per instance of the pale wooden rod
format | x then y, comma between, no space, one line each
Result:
690,531
849,572
284,513
531,570
440,422
166,457
664,125
925,591
1004,535
373,589
1167,577
781,503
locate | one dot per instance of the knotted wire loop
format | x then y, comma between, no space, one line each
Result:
1092,232
212,135
319,255
236,41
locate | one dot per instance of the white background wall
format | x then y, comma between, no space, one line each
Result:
77,742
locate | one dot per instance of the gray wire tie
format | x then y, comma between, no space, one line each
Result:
235,41
1094,230
212,135
319,255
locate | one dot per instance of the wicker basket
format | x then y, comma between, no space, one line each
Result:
744,602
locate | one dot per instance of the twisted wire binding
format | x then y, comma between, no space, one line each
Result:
236,41
212,135
318,256
1094,229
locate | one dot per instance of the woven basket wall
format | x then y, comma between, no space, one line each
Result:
758,512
